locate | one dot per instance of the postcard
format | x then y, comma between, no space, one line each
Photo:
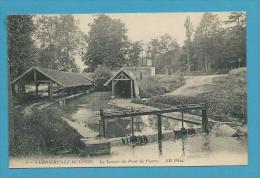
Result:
127,89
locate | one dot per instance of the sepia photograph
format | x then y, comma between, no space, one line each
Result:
127,89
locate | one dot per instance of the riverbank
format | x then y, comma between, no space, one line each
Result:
199,150
188,118
225,94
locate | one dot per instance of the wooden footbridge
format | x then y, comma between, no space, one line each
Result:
111,114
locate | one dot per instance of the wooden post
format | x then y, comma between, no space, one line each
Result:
62,92
99,128
204,121
36,89
182,126
50,89
131,82
113,85
103,122
132,123
13,90
159,123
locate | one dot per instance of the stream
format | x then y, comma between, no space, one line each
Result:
201,149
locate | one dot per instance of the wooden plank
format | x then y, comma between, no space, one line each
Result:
187,120
129,113
42,81
71,96
121,79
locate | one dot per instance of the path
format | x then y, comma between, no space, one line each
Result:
195,85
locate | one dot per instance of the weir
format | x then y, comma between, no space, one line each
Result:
112,114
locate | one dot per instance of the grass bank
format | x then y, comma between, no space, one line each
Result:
160,85
41,132
227,98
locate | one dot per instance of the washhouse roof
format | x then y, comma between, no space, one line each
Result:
129,74
64,79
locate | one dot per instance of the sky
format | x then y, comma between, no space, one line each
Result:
146,26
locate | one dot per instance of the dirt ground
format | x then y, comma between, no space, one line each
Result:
195,85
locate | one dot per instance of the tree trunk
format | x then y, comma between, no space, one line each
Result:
206,63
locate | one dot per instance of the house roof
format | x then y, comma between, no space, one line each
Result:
65,79
129,74
89,76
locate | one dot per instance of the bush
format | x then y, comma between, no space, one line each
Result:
159,85
151,87
238,72
227,99
171,82
42,132
101,75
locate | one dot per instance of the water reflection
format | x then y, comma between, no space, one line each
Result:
205,142
183,147
160,147
207,146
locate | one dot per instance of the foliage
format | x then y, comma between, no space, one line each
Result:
59,40
205,41
159,85
151,87
189,30
133,51
163,51
216,47
21,48
227,99
41,132
106,43
171,82
101,75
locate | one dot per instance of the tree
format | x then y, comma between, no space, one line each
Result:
133,51
101,75
236,39
59,41
189,30
21,48
206,41
106,43
163,51
239,18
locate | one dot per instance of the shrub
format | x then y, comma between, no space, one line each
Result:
42,132
171,82
227,99
238,72
101,75
151,87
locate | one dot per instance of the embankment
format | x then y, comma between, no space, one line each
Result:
226,96
41,132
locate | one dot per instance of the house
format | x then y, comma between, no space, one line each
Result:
58,82
124,83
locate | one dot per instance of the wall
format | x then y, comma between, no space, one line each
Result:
141,72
